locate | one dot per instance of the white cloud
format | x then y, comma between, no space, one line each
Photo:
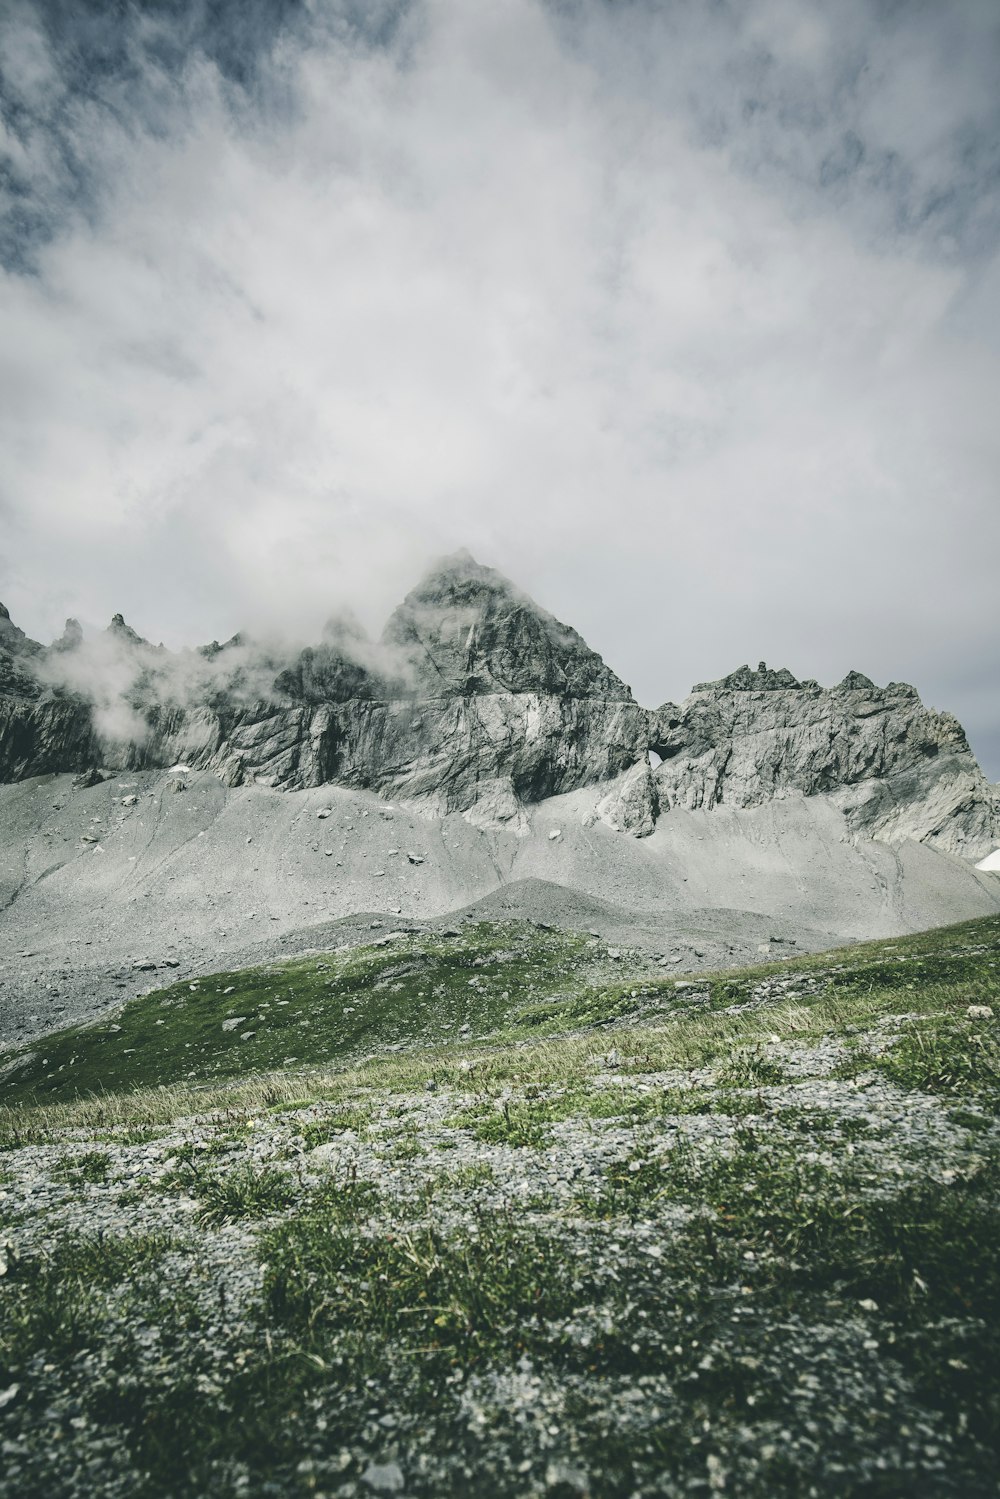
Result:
600,293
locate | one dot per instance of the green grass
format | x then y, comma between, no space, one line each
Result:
751,1067
418,992
948,1054
88,1166
308,1010
244,1192
52,1304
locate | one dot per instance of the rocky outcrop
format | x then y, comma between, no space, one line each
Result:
896,769
42,736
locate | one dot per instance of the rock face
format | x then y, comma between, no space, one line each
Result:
465,631
476,700
896,769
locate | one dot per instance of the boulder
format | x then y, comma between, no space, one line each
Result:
633,804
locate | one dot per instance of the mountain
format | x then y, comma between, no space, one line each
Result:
465,630
476,700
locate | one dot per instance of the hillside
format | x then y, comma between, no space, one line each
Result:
510,1225
103,885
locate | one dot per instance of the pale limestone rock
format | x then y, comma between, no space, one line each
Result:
632,805
896,769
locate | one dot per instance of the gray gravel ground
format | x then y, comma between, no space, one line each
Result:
851,1413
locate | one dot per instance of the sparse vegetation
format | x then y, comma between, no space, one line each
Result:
747,1245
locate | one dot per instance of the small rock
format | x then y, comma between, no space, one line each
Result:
324,812
88,778
980,1012
415,858
386,1478
555,833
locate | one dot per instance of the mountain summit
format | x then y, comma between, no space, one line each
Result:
467,629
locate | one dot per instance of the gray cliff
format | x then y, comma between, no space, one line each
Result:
896,769
476,700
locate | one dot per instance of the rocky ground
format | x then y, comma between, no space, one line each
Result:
638,1236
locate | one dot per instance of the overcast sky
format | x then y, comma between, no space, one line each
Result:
684,315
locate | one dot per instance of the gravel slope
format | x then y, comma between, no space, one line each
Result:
185,871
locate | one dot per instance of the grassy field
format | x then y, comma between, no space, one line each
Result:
497,1214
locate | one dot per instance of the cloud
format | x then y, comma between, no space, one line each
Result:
685,317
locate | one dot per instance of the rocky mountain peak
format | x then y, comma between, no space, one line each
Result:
11,637
121,631
71,638
13,640
897,769
343,628
14,648
466,629
856,681
764,679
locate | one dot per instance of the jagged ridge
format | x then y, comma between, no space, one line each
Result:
477,700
